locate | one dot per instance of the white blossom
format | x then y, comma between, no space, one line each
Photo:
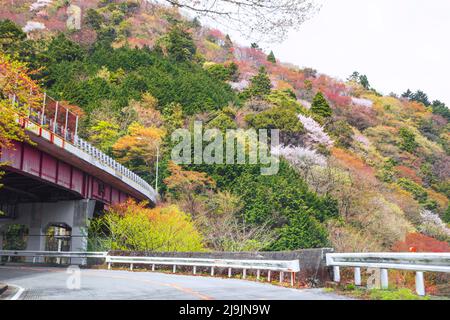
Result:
40,4
33,25
305,103
241,85
431,220
362,102
316,134
299,157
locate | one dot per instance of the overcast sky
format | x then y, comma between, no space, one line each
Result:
398,44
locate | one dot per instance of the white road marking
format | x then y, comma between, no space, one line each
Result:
18,293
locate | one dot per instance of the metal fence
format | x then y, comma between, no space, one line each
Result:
418,262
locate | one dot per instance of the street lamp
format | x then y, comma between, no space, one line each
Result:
157,167
157,164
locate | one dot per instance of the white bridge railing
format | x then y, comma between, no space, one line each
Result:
281,266
418,262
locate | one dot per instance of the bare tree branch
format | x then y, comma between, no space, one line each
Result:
266,20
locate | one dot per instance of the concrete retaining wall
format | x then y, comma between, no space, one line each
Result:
313,269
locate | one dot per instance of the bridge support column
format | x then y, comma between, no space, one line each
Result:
83,211
36,242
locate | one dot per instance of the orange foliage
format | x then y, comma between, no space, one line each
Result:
283,85
187,181
352,162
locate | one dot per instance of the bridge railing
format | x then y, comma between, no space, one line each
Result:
281,266
418,262
110,162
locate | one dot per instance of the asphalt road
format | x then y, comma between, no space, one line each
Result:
44,283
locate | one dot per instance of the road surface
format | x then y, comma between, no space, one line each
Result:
52,283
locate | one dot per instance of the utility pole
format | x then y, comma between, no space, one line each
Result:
157,168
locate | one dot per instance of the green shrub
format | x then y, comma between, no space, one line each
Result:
419,193
408,140
399,294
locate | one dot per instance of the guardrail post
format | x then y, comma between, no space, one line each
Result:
384,279
174,268
194,270
268,276
292,278
244,273
257,274
281,276
420,285
229,272
212,271
131,267
357,276
336,274
153,267
109,265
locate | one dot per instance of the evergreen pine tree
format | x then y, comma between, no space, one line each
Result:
271,57
260,85
320,106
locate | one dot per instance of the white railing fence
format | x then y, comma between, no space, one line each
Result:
418,262
280,266
51,254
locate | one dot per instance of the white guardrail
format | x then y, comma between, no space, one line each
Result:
281,266
418,262
51,254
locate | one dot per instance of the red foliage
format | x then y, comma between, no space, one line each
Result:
335,91
421,243
216,33
355,164
406,172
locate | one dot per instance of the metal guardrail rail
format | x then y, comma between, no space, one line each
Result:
51,254
418,262
281,266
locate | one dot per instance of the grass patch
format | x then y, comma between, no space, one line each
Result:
397,294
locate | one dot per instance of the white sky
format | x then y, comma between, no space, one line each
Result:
398,44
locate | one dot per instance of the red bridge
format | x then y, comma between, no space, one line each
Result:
58,181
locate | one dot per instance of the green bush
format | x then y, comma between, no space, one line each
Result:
408,140
399,294
418,192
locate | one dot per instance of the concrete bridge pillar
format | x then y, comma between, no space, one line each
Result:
38,217
83,211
